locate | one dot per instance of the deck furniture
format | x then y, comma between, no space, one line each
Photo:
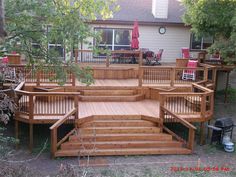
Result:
151,58
185,53
191,72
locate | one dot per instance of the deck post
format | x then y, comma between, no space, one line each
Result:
31,117
107,61
205,73
38,78
202,133
172,77
191,136
208,130
140,58
53,142
203,113
140,76
214,77
161,114
226,87
76,55
17,132
31,135
76,105
73,79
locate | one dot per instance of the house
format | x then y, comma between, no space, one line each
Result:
160,27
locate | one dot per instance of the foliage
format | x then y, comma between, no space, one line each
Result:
7,107
61,22
217,19
2,21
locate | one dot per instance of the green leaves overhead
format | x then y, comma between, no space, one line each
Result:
215,18
64,23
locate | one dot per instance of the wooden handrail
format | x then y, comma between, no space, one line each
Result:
62,120
202,88
180,94
20,86
48,93
184,122
171,67
191,128
54,127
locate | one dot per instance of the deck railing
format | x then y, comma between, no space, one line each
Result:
114,57
33,104
187,132
199,102
171,75
42,75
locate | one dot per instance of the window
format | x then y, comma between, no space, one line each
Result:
115,39
53,47
200,43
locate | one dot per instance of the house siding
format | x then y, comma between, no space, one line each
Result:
172,41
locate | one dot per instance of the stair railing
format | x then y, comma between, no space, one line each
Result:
189,140
56,138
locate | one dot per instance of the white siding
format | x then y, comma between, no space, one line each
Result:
160,8
172,41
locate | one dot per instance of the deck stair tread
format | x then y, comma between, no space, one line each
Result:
99,130
108,92
121,144
114,123
121,151
136,97
109,136
122,137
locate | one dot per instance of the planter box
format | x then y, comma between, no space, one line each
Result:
14,58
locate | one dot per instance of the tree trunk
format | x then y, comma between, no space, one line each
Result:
2,20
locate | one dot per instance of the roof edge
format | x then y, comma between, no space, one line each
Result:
119,22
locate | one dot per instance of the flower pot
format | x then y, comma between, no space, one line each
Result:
14,58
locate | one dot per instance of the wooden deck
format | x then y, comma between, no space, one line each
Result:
144,107
44,111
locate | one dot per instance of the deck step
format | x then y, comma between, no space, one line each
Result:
127,98
111,130
108,92
119,151
118,123
119,144
121,137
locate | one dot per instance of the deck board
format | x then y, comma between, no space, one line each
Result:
144,107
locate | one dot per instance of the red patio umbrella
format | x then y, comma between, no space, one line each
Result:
135,36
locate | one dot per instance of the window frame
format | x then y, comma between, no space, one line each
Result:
113,45
47,29
202,43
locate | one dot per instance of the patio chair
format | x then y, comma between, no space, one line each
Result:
186,53
158,57
215,59
151,58
148,56
190,74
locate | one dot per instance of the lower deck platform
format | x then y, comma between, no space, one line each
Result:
146,107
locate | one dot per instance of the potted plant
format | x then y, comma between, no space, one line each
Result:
14,58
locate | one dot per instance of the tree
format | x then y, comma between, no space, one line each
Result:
2,21
62,22
216,18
